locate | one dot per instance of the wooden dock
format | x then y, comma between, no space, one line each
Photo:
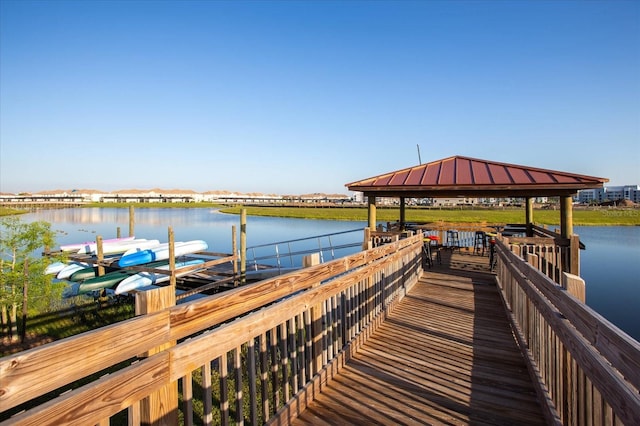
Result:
446,354
377,337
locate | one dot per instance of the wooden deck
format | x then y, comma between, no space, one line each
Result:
445,355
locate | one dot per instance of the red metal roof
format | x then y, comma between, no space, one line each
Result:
464,176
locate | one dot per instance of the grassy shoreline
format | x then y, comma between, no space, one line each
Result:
490,216
593,216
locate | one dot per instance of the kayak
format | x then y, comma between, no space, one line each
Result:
106,281
83,274
54,268
70,269
118,247
144,279
161,252
78,246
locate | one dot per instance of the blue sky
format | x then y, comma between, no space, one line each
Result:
295,97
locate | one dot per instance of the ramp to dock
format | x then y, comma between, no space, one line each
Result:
445,355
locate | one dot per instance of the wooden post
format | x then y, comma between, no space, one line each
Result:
372,211
160,407
234,251
529,217
366,244
572,258
243,245
574,255
100,255
402,213
311,260
574,286
316,319
131,221
172,259
566,216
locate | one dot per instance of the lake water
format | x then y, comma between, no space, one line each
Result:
609,265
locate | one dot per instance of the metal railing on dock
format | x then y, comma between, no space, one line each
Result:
289,253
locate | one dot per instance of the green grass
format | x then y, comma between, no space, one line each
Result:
591,217
5,211
581,216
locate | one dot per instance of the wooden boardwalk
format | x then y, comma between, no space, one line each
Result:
445,355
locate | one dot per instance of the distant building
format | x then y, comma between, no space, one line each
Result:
448,202
627,192
609,193
590,196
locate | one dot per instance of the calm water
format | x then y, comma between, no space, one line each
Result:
609,265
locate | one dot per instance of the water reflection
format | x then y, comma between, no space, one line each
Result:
210,225
609,268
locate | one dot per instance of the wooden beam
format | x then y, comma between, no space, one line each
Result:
372,211
529,216
160,407
172,260
243,245
100,255
574,255
566,216
574,286
234,248
132,221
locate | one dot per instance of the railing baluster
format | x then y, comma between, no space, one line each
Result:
293,354
251,377
237,367
187,398
275,379
284,361
308,352
223,366
302,366
328,331
208,393
264,376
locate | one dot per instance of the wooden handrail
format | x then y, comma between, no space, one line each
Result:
604,354
257,309
34,372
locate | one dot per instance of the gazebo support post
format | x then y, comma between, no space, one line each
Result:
566,216
572,259
372,212
402,213
529,217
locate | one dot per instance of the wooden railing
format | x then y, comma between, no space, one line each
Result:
554,253
588,368
254,354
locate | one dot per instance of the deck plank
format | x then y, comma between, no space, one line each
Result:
445,355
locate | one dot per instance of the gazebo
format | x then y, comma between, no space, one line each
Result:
460,176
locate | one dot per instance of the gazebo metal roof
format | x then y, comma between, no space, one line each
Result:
460,176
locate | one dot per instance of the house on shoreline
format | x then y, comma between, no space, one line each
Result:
611,194
158,195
